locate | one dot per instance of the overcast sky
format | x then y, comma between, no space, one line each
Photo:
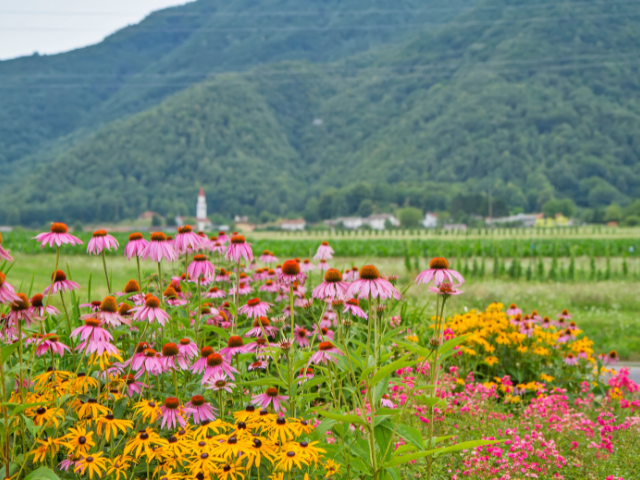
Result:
52,26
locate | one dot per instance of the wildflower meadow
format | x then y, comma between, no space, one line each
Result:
219,361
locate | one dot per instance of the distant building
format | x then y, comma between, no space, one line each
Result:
201,212
245,226
524,219
298,224
379,221
241,219
148,215
558,221
430,220
455,226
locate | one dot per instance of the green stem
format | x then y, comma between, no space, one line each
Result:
106,275
66,312
139,274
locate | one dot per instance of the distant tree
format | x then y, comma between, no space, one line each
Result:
156,221
631,221
613,213
366,207
77,226
311,213
632,209
554,206
410,217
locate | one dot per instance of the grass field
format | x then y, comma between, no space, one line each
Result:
606,310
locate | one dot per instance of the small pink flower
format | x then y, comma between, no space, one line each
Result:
200,267
217,365
268,257
324,252
215,292
270,287
327,352
445,289
235,346
239,248
255,308
4,254
187,240
50,342
20,311
352,306
570,359
332,287
262,324
291,273
58,235
136,246
151,311
306,266
242,289
109,313
200,409
513,310
173,414
60,284
158,248
149,361
7,293
270,397
302,336
94,338
386,401
372,284
100,241
439,272
219,382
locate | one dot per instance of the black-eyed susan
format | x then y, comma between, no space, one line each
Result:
46,448
47,416
167,464
91,464
303,426
176,448
261,448
148,410
242,431
83,383
205,463
142,443
246,414
50,378
230,472
105,360
331,468
230,446
207,427
110,425
92,409
282,430
79,440
119,467
169,474
263,419
308,450
287,459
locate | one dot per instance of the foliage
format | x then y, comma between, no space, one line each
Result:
410,217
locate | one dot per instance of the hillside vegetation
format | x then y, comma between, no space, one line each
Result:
529,100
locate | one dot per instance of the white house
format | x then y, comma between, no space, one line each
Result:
379,221
430,220
201,212
297,224
351,222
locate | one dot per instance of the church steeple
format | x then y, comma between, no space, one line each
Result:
201,210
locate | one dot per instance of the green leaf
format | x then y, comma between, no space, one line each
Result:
338,417
409,434
42,473
383,435
22,408
264,381
417,349
432,401
392,367
447,348
399,460
8,350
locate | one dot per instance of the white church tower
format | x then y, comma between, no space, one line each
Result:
201,211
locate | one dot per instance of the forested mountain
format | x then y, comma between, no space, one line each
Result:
529,100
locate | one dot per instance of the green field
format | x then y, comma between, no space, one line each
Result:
607,310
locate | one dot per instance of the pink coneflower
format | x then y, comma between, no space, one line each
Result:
323,332
270,287
219,382
323,266
439,271
58,235
270,397
565,315
257,365
200,267
371,284
565,336
94,338
94,305
200,409
535,317
138,352
351,274
215,292
133,386
223,237
158,248
4,254
170,355
257,330
546,322
327,352
570,359
172,297
223,276
332,286
324,252
302,336
200,364
149,361
255,308
50,342
151,311
291,273
136,246
109,313
242,289
610,358
513,310
268,257
239,248
527,329
215,364
187,240
273,273
582,354
101,240
7,292
235,346
187,351
445,289
60,283
573,326
172,414
20,311
217,247
386,401
243,277
306,266
37,306
305,374
260,274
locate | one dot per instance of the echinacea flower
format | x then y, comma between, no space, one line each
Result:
332,286
570,359
306,266
7,292
302,336
268,257
371,284
170,353
58,235
134,387
151,311
610,358
20,311
200,409
565,315
323,266
187,240
200,267
215,292
351,274
37,306
219,382
260,325
242,289
446,289
187,350
4,254
439,272
239,248
60,283
324,252
269,286
327,352
291,273
270,397
149,361
223,276
101,240
216,364
172,414
51,342
136,246
255,308
109,313
513,310
385,401
159,248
